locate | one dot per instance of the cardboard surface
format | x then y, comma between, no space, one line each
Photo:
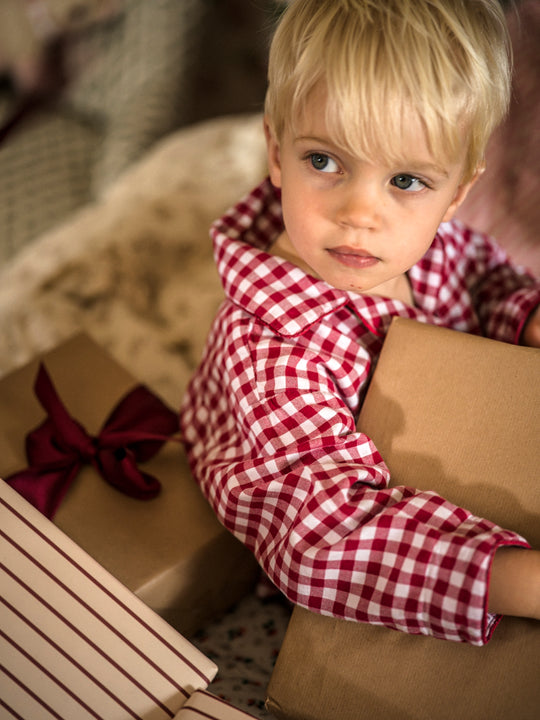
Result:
171,551
460,415
74,642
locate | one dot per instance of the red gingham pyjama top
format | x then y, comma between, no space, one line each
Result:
269,421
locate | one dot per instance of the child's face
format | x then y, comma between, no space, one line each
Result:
359,226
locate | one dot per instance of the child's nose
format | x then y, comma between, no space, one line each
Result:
360,207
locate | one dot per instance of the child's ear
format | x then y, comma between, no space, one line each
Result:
462,192
273,154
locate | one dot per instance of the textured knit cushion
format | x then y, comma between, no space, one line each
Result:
45,174
131,76
127,77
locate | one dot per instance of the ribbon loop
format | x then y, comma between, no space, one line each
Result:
58,448
65,429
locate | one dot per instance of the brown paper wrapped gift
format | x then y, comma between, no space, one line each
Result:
460,415
171,550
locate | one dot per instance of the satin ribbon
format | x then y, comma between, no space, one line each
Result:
58,448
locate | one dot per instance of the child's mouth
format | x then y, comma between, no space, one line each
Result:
353,258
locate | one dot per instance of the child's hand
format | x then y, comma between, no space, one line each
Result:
515,582
531,331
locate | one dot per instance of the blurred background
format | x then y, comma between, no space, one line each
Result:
87,86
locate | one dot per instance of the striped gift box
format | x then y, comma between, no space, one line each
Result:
75,642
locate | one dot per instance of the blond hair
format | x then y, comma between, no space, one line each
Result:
446,62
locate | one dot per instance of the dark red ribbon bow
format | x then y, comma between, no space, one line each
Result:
58,448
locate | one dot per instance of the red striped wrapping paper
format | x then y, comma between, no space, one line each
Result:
74,641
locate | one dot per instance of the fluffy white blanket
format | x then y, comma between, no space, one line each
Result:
135,270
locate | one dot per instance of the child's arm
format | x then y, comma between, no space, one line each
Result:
275,448
514,587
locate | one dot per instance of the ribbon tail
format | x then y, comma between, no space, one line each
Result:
44,488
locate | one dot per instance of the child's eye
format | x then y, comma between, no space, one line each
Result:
408,182
323,163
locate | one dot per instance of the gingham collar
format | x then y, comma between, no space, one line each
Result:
276,292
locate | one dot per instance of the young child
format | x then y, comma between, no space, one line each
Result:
377,117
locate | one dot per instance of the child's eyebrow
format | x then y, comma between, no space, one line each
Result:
427,168
312,138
